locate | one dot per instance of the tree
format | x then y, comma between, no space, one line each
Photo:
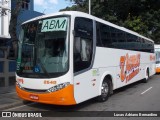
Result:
13,24
142,16
136,24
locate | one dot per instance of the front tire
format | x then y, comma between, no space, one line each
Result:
105,91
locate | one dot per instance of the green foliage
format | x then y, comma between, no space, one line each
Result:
141,16
136,24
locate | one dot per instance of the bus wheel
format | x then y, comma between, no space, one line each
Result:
105,91
145,80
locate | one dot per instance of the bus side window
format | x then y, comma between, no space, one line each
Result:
83,44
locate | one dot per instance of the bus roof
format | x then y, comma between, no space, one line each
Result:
82,14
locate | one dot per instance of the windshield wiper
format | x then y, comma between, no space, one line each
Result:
43,68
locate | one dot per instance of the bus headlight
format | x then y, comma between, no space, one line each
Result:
58,87
19,85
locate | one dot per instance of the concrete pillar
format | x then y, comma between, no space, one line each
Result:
5,18
6,70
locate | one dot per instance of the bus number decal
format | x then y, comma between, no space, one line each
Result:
129,66
49,82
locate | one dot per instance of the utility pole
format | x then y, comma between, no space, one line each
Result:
89,6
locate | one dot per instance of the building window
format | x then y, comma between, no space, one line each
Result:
25,4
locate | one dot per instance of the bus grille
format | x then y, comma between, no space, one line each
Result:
34,90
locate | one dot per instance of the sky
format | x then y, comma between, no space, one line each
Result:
50,6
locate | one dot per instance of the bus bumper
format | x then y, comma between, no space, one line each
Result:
158,70
64,96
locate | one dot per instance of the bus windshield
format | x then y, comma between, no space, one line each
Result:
43,48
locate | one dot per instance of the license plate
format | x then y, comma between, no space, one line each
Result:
34,97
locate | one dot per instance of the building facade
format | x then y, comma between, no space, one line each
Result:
5,13
8,67
26,13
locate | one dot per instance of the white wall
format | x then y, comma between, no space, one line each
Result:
4,19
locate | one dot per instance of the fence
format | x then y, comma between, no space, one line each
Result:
7,69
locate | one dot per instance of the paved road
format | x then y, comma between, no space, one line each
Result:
136,97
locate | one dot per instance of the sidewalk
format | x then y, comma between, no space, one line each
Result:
9,89
9,98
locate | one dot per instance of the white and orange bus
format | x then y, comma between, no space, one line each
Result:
69,57
157,52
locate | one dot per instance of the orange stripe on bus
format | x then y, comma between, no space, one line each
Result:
157,70
61,97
